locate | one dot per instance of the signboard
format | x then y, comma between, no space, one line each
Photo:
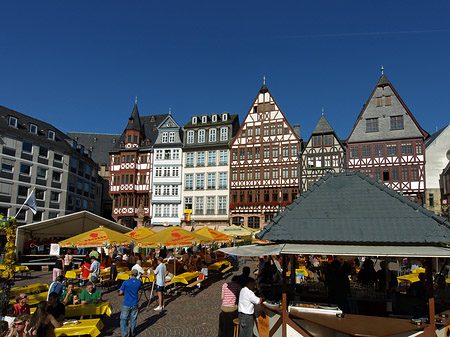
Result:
54,249
189,211
444,201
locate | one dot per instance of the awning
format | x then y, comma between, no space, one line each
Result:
342,250
253,250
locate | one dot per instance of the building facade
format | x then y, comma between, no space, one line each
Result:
131,170
206,169
388,144
324,152
99,145
264,163
436,148
166,174
36,155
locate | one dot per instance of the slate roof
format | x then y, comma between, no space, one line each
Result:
322,127
383,81
351,208
99,143
434,136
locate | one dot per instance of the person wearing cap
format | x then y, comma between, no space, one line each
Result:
130,308
57,286
21,307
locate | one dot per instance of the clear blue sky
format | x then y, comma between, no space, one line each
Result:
79,64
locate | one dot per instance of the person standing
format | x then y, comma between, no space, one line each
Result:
68,258
160,273
230,294
58,268
95,270
130,308
246,308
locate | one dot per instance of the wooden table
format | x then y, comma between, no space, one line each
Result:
185,277
89,327
219,264
360,325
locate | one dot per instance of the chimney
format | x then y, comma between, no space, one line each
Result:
297,129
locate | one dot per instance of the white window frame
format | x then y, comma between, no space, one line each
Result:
165,137
190,137
171,137
204,119
194,120
214,118
12,121
224,117
201,136
33,128
212,135
223,134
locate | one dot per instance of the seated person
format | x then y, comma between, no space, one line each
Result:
85,269
41,320
138,267
21,307
8,314
58,287
20,326
90,294
4,328
69,296
55,307
203,273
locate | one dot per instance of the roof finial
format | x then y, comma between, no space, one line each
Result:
264,80
135,100
322,111
382,70
170,111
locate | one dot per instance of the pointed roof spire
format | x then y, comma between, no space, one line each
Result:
134,121
264,88
383,81
322,126
322,111
170,110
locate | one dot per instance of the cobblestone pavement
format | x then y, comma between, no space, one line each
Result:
183,316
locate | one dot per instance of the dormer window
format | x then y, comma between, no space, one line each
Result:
51,134
194,120
165,137
214,118
12,121
33,128
224,117
171,137
204,119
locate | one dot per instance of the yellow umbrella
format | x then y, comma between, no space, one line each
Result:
235,231
173,237
98,237
213,234
140,233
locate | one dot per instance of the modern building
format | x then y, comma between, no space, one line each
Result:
437,146
388,144
131,170
264,163
324,152
206,171
166,174
99,145
36,155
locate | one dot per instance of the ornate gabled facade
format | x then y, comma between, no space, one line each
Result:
387,143
206,169
323,153
437,148
166,174
131,168
264,163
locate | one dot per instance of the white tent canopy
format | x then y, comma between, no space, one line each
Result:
65,226
342,250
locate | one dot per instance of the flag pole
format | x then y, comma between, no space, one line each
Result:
25,202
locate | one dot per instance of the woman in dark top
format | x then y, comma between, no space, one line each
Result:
58,268
40,320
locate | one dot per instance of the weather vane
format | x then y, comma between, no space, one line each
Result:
382,70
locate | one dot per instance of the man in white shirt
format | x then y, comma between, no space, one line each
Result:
246,308
160,273
138,267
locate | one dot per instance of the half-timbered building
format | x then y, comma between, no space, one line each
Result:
387,143
206,169
131,167
324,152
264,163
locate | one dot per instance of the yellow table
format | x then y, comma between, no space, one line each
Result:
73,274
89,327
185,277
77,310
36,298
32,288
219,264
418,270
144,278
410,278
16,268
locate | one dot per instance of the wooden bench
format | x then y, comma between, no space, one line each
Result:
191,286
